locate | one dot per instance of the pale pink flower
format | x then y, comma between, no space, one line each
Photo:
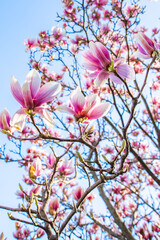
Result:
88,107
40,233
20,194
57,33
36,190
5,120
18,234
35,169
100,4
147,47
97,59
66,167
31,43
32,97
53,206
51,160
78,193
26,232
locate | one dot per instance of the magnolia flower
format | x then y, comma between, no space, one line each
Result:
35,169
66,167
40,233
51,160
147,47
32,97
88,107
57,33
35,190
53,206
97,59
5,120
78,193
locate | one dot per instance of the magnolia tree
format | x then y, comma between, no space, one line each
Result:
87,130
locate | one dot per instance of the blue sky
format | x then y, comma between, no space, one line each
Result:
20,20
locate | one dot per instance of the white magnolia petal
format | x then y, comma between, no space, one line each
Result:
18,119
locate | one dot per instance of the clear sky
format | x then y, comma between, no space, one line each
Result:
19,20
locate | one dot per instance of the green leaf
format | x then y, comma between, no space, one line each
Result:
105,158
20,187
123,145
80,157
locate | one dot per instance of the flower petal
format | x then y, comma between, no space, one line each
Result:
101,78
98,52
5,120
141,55
34,79
145,43
27,96
17,91
63,108
126,72
89,61
99,111
77,100
47,93
47,117
91,101
18,119
104,50
114,78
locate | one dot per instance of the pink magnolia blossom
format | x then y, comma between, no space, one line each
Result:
57,33
36,190
147,47
66,167
53,206
97,59
78,193
88,107
26,232
18,234
32,97
20,194
31,43
35,169
5,120
51,160
40,233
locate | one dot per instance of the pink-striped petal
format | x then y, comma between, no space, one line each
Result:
104,50
142,39
99,111
101,78
5,120
17,91
27,96
115,79
34,79
89,61
97,51
47,93
18,119
126,72
141,55
91,101
77,100
8,118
